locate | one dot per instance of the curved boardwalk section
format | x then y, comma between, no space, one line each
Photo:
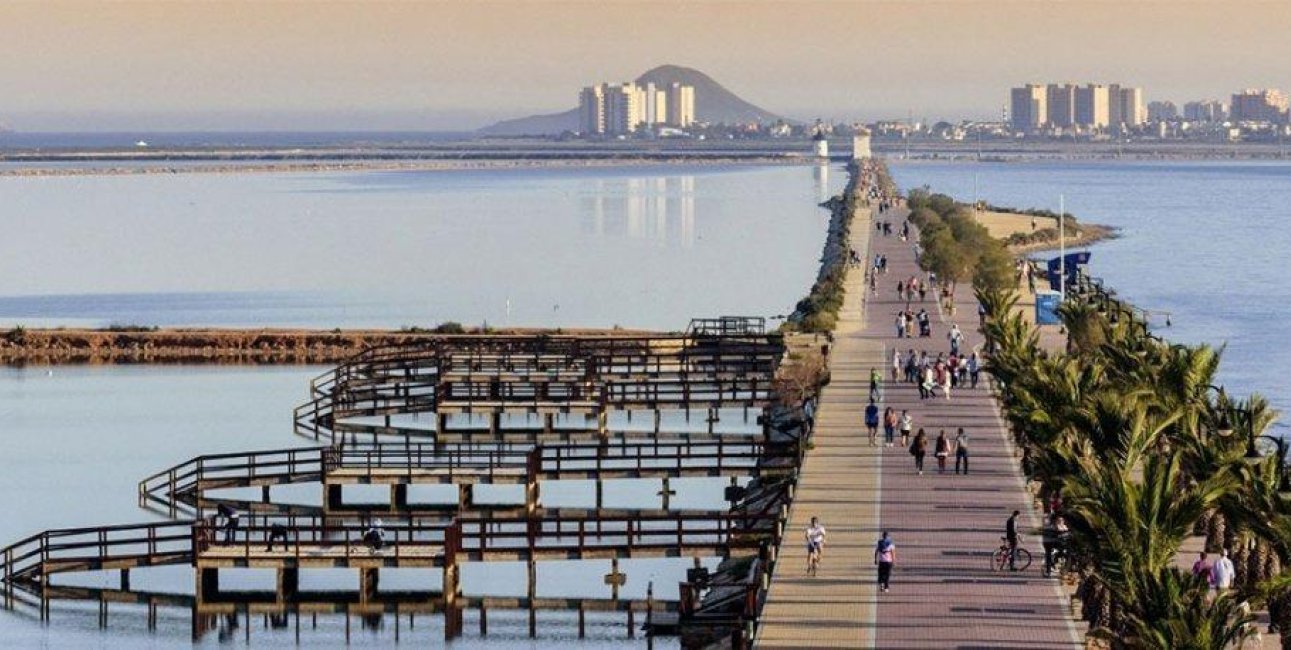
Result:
943,592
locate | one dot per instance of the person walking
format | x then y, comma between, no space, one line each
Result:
889,426
919,449
907,425
815,545
942,451
956,338
943,375
872,422
1222,572
885,556
974,370
961,450
896,364
1201,568
875,378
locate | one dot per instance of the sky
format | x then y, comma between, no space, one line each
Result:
77,65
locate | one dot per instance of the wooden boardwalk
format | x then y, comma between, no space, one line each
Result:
943,594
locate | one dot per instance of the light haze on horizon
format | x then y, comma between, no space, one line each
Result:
80,65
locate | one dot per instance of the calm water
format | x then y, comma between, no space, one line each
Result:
1207,242
634,246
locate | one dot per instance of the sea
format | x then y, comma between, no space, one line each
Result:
636,246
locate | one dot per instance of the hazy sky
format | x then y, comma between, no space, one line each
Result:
81,65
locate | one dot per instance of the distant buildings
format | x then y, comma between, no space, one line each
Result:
1259,106
622,109
1036,107
1209,111
1029,108
1162,112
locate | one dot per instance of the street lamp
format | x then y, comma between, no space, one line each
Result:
1273,444
1225,425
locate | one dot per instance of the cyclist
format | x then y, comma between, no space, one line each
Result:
815,545
1011,537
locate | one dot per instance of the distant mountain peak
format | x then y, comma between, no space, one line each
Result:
713,103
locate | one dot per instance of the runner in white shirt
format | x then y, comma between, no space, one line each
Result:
815,545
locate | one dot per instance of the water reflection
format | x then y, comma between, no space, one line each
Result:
820,176
659,208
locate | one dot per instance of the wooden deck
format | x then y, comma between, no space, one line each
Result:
943,593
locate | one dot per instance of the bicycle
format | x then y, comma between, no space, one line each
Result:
1000,558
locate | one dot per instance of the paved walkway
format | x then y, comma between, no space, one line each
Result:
943,594
840,484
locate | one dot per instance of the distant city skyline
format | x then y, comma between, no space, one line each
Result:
80,65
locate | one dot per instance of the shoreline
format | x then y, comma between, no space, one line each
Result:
132,167
261,346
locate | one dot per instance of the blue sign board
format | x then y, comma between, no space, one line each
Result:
1046,307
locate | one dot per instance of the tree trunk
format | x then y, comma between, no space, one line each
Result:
1215,535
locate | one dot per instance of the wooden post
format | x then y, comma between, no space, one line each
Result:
465,496
288,584
399,496
334,498
125,580
533,595
369,583
452,587
484,620
208,584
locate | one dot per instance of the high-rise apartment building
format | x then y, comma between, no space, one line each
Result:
622,108
1062,105
1205,111
681,105
1259,106
1125,106
1093,106
1029,108
591,110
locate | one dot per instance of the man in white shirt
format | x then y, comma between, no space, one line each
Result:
1221,574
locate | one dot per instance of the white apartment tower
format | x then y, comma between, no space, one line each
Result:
681,105
622,108
591,110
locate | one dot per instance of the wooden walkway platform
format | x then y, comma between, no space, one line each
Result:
943,594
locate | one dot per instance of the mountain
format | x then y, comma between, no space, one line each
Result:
713,103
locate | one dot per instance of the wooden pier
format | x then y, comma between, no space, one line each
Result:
546,403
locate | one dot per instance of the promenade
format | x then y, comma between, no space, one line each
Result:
944,594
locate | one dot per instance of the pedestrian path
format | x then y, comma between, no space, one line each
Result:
944,594
839,484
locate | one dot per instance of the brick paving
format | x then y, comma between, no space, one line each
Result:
944,594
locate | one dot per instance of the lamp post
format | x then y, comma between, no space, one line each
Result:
1275,445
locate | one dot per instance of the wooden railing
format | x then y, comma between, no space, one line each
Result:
84,549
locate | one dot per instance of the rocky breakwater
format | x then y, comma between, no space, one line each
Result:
21,346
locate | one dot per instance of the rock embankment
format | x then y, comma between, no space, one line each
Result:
22,346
